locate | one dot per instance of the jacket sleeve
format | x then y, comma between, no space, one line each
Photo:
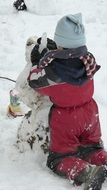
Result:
42,80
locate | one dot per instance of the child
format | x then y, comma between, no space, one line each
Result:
66,76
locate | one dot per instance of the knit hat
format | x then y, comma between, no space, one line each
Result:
70,32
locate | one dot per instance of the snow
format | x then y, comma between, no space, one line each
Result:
20,171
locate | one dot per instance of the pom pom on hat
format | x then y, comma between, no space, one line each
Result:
70,32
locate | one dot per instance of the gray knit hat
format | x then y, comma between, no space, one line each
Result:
70,32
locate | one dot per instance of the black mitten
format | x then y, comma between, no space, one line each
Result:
36,55
51,45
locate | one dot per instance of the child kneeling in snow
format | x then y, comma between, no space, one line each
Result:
66,76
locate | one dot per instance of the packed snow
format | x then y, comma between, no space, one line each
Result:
27,170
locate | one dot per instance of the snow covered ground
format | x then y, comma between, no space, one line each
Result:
20,171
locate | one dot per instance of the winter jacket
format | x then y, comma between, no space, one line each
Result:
62,75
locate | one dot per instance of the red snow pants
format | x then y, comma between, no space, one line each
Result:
71,128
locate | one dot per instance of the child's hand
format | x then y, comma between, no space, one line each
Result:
51,45
43,45
36,55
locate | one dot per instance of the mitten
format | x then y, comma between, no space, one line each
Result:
51,45
43,45
36,55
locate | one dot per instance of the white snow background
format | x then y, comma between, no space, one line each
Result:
27,171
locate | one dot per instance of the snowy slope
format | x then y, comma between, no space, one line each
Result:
20,171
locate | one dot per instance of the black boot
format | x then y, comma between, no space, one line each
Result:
20,5
96,178
83,176
92,177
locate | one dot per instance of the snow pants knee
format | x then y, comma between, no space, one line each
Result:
71,167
